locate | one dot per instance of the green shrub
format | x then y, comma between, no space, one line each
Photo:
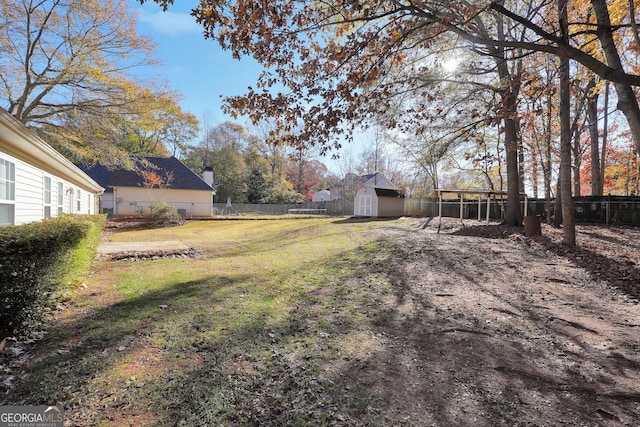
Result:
33,260
162,213
79,260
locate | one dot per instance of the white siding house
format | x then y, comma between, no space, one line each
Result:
37,182
321,196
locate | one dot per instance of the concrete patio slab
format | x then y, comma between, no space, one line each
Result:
112,248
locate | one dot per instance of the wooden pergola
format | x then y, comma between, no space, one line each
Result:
488,193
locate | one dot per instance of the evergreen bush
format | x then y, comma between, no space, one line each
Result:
164,214
33,258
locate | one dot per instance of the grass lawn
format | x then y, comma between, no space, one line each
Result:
268,327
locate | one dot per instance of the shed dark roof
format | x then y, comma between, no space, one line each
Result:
182,178
388,192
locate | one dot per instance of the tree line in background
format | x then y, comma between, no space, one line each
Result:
535,95
249,169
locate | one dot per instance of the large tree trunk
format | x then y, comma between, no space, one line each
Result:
577,127
605,135
521,164
546,162
577,163
557,207
568,223
592,115
509,98
535,173
513,215
627,101
546,168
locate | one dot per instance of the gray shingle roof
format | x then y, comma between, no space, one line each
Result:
182,178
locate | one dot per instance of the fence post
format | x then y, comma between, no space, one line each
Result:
608,209
488,206
439,209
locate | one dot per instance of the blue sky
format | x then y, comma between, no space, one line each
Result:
196,67
199,69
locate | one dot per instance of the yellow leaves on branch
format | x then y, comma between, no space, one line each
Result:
619,11
62,52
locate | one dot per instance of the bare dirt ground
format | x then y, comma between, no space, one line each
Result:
500,329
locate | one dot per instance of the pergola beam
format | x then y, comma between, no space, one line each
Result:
488,193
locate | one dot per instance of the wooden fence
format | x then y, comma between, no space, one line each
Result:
606,210
597,209
332,207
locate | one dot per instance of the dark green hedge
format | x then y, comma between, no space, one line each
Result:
32,266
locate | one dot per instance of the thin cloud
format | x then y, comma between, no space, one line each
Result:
171,23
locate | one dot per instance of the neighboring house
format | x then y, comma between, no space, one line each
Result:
156,179
321,196
378,202
377,180
37,182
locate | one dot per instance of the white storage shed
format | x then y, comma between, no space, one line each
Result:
378,202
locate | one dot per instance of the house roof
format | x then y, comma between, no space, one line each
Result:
351,179
173,171
19,142
99,174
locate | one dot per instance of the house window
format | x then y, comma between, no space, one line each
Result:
7,192
47,197
78,200
60,197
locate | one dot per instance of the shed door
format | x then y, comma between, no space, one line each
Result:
365,205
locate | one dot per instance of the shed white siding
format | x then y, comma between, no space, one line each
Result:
366,202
